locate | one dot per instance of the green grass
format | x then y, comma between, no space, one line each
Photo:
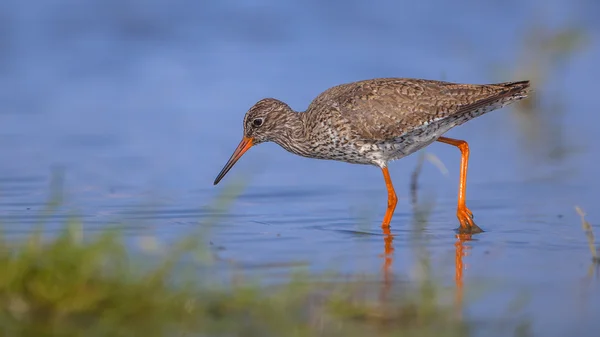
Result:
75,283
80,284
67,286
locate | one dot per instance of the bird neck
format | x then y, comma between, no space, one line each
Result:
294,136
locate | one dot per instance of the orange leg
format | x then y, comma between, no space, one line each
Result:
465,216
392,199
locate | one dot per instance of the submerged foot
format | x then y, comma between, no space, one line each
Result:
467,225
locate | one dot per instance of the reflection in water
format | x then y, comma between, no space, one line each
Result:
460,251
460,248
387,257
387,262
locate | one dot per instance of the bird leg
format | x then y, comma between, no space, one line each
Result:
465,216
392,199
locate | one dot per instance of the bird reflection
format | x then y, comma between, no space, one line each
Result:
388,239
461,250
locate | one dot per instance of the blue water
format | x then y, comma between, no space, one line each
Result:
140,103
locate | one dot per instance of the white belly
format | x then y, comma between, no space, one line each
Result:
382,152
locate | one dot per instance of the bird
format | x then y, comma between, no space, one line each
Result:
376,121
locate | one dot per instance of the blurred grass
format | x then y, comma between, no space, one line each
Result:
66,286
589,233
72,284
543,58
69,285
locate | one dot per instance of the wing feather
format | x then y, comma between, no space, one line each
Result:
387,108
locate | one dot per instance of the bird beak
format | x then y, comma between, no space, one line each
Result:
245,144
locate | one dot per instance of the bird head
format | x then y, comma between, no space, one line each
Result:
264,122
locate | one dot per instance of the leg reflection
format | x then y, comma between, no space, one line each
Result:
387,263
461,250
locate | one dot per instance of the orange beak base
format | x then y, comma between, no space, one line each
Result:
245,144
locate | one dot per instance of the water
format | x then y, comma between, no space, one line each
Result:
140,104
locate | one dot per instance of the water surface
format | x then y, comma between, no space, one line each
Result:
139,104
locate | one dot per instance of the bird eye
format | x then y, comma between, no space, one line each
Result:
257,122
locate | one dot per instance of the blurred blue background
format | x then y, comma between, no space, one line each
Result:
140,102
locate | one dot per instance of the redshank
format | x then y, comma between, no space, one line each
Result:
376,121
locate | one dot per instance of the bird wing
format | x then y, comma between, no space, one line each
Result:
387,108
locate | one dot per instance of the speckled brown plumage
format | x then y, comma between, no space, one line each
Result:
375,121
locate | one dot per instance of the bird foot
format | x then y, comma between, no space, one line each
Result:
467,225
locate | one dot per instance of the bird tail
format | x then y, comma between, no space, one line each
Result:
508,92
516,90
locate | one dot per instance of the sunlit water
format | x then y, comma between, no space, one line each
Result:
140,105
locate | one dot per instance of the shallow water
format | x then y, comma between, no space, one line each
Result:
140,104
